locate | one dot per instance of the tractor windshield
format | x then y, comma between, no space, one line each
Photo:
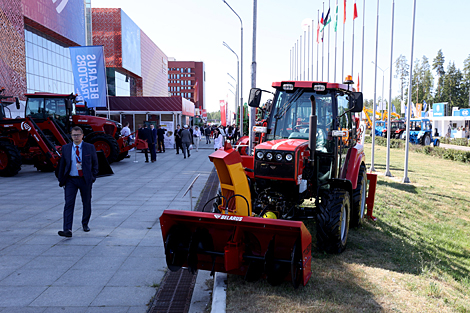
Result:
292,112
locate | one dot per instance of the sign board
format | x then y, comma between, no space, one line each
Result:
438,109
169,134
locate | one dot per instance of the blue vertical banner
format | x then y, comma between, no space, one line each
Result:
89,75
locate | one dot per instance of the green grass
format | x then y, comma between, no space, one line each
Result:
414,258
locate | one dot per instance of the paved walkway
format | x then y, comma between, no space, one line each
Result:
455,147
118,265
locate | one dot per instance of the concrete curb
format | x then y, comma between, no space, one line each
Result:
219,295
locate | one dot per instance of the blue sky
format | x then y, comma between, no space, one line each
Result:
194,30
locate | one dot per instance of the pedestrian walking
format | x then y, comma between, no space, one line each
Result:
161,139
207,132
126,132
197,137
77,170
186,140
230,133
218,139
178,139
153,153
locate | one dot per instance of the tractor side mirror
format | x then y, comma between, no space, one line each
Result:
255,97
356,101
17,101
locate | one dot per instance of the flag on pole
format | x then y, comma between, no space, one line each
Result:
355,11
318,33
327,20
344,21
358,84
394,109
425,106
336,16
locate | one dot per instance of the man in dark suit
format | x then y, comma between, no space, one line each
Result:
146,135
77,170
161,139
178,139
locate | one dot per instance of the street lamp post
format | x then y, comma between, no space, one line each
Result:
241,69
236,90
228,47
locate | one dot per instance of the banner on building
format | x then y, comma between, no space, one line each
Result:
89,75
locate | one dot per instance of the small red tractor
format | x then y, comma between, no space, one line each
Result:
308,150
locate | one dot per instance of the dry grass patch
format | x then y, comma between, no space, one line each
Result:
415,258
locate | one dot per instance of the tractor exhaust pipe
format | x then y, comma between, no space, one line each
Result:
312,134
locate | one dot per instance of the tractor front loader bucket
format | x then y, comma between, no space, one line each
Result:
249,246
104,169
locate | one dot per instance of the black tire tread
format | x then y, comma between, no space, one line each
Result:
14,159
114,147
329,221
356,219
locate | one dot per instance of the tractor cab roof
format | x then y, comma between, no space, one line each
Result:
312,84
49,95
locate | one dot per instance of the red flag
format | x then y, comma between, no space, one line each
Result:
344,21
358,85
318,33
196,92
355,11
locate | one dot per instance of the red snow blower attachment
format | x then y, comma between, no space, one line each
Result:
241,245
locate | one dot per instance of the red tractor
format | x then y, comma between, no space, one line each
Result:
104,133
308,149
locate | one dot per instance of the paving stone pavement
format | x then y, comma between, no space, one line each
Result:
117,266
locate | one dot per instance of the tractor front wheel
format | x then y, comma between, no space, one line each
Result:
426,141
359,198
333,221
105,143
10,159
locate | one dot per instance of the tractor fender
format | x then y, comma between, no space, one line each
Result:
356,158
344,184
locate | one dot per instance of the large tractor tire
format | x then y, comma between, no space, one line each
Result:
333,221
359,198
426,140
10,159
105,143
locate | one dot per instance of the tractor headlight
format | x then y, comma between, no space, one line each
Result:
259,155
279,157
269,156
289,157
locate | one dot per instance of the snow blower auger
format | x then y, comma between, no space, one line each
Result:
232,240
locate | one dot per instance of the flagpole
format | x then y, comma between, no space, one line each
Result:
318,42
344,23
304,54
372,168
352,48
313,42
336,39
308,55
296,60
387,171
300,59
363,19
323,45
328,64
408,113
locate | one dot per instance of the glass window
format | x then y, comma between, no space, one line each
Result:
35,38
34,107
343,105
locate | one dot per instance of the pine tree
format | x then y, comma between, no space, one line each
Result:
466,83
451,89
438,66
402,73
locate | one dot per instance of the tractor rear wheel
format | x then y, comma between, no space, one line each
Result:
426,141
359,198
333,221
10,159
105,143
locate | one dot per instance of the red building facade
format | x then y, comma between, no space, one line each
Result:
187,79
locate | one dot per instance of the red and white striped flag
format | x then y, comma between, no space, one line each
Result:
355,11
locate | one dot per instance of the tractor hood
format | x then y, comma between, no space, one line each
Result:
282,144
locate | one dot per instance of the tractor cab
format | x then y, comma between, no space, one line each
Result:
4,103
58,107
305,115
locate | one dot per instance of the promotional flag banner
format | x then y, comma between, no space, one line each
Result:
425,106
358,84
223,113
336,17
89,75
394,109
327,20
344,21
355,11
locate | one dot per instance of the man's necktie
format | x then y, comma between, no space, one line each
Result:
77,152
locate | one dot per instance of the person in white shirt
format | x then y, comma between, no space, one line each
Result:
197,137
218,139
126,132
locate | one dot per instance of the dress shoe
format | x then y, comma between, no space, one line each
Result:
147,161
86,228
66,233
